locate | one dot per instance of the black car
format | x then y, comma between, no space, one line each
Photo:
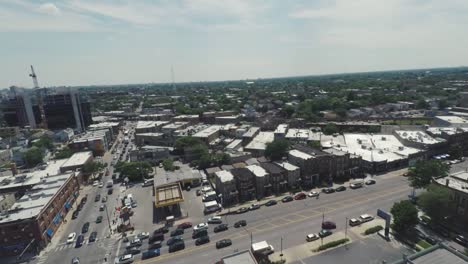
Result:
156,237
150,254
340,189
79,241
223,243
163,230
220,228
79,207
110,191
155,245
173,240
85,228
132,250
199,233
461,240
328,190
98,197
98,219
370,182
202,240
242,210
240,223
75,214
271,203
287,199
93,236
177,232
179,245
324,233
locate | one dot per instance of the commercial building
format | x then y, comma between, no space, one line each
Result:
34,219
191,119
277,177
18,109
421,140
438,253
96,141
280,131
455,136
449,121
209,134
77,161
226,187
457,183
151,153
169,129
234,145
258,144
296,135
241,257
152,139
149,126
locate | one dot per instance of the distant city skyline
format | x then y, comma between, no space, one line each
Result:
84,42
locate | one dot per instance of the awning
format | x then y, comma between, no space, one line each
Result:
57,218
49,232
67,205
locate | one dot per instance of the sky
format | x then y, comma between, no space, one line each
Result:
93,42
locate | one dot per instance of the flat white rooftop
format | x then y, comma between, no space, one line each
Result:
224,176
287,166
257,170
261,140
299,154
78,159
418,137
207,131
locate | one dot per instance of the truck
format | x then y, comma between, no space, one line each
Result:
262,248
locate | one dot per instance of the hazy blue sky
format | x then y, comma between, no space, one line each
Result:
84,42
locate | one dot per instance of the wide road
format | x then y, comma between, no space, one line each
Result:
292,221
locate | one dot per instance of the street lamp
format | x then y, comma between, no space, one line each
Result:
108,221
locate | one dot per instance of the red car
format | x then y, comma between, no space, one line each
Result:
185,225
327,225
300,196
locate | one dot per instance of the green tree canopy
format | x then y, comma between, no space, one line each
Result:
64,153
277,149
32,157
405,216
44,142
455,151
168,164
92,167
135,171
330,129
424,171
184,142
436,202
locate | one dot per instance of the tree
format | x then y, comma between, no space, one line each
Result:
405,216
443,104
436,202
422,104
32,157
92,167
168,164
424,171
330,129
64,153
135,171
276,149
44,142
314,144
455,151
183,142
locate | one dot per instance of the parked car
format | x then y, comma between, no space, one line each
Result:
142,235
150,254
313,194
242,210
287,199
125,259
356,185
198,192
240,223
92,237
75,214
101,208
328,190
366,218
79,241
354,222
370,182
99,219
104,199
71,238
98,197
223,243
328,225
254,206
201,226
95,183
179,245
202,240
312,237
271,203
133,250
215,220
324,233
185,225
461,240
85,228
220,228
134,243
199,233
75,260
163,230
300,196
101,185
173,240
155,245
110,191
156,237
340,189
177,232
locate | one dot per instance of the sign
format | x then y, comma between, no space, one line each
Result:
381,213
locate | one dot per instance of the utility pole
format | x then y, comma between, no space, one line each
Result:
346,228
281,254
108,221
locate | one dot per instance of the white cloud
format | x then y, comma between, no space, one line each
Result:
49,8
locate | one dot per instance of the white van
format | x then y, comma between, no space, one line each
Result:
109,184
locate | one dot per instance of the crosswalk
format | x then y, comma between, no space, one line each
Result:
102,242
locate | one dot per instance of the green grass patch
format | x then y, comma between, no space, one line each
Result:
373,230
424,244
332,244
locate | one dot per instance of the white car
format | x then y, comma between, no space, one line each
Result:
71,238
313,194
312,237
125,259
366,218
143,235
95,183
201,226
101,185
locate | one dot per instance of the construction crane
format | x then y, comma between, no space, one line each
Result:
41,94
